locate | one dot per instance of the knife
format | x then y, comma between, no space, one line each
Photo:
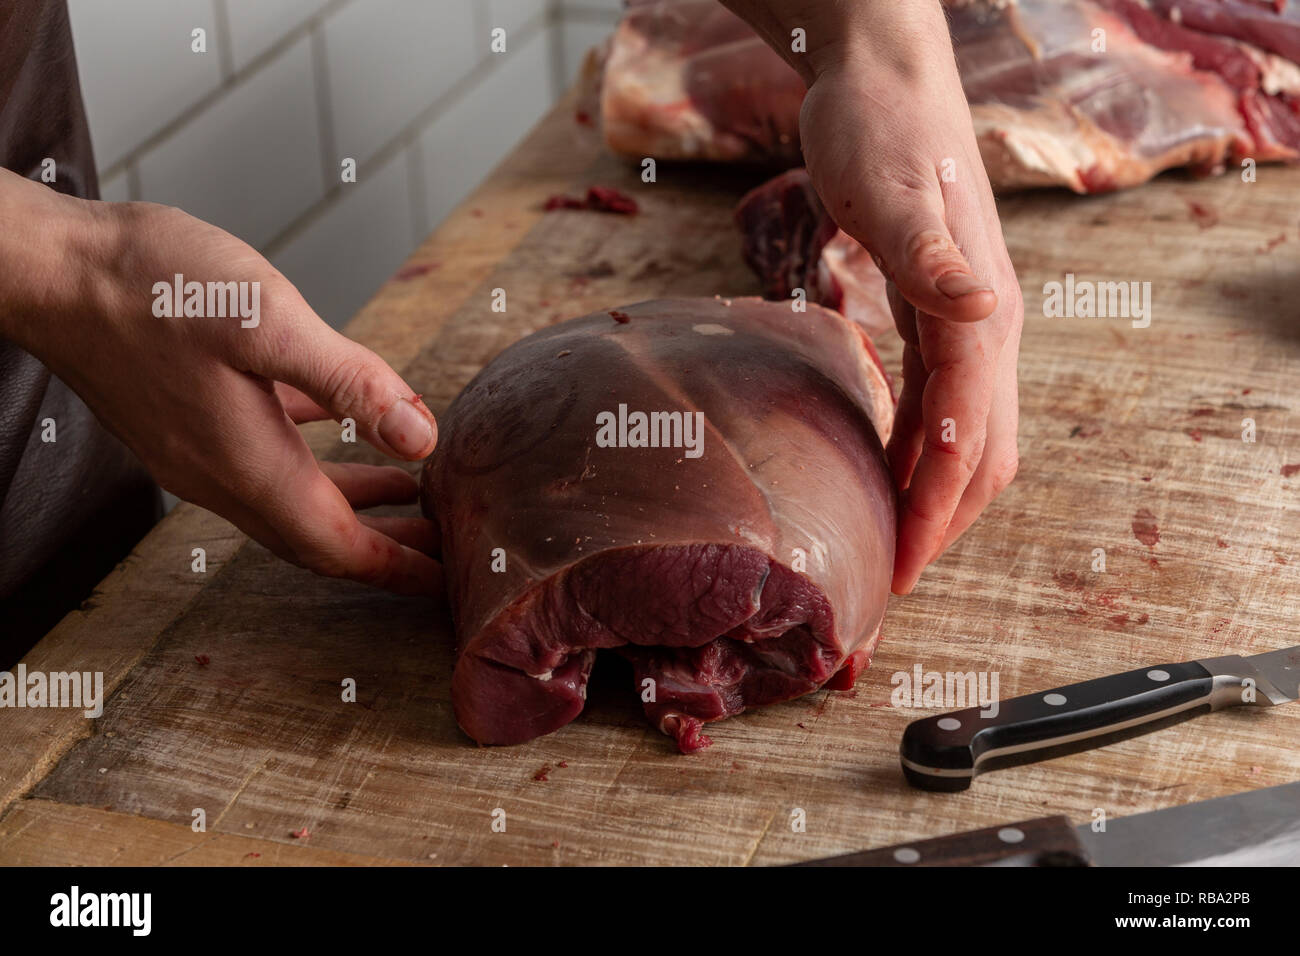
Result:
946,751
1256,828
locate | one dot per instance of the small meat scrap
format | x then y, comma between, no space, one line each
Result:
302,834
597,199
202,660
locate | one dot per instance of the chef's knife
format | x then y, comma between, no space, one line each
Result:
1257,828
946,751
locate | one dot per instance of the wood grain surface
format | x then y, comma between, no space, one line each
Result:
1114,421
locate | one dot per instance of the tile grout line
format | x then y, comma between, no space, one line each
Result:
225,40
133,190
555,13
417,193
329,152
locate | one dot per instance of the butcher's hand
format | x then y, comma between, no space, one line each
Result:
888,142
207,404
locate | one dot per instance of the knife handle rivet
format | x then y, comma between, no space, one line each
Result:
949,723
905,854
1056,700
1011,835
1158,674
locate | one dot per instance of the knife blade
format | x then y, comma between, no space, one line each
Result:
946,751
1256,828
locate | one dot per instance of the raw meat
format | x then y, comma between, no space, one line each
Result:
792,243
752,573
688,79
1176,85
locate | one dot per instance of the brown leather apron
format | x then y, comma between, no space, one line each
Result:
70,509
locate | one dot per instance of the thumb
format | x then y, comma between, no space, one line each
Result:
350,381
905,232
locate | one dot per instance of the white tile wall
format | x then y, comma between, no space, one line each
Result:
251,163
607,8
255,25
137,71
249,136
576,38
389,60
461,147
343,255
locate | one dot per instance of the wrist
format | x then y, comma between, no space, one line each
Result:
55,248
899,37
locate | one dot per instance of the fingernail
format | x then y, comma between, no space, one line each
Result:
405,428
957,284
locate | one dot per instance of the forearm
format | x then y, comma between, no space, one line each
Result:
898,33
52,248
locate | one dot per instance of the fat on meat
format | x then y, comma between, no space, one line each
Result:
752,572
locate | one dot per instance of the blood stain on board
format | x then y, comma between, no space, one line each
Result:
1194,434
541,776
414,271
1125,618
1273,243
1204,216
1289,470
1145,528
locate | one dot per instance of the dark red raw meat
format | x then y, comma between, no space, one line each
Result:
791,242
597,199
750,574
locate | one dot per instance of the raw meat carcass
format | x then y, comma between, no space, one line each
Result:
738,549
1092,95
792,243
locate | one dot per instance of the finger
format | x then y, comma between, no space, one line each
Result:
310,514
328,537
334,542
907,435
905,230
366,486
418,533
904,445
343,377
1001,459
298,406
954,408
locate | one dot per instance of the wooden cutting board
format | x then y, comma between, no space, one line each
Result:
1114,421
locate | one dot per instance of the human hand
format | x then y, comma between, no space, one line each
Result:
210,406
887,138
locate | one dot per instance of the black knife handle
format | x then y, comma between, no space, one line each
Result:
946,751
